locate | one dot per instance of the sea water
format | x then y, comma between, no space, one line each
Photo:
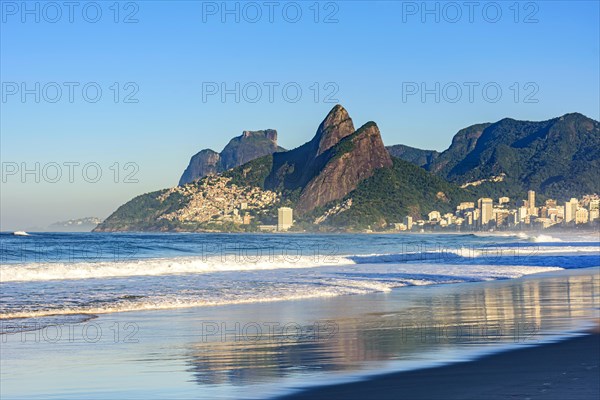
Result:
252,316
52,274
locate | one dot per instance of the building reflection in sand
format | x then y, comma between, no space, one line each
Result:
405,325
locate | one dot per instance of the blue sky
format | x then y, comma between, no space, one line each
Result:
366,55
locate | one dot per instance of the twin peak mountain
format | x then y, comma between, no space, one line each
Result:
557,158
345,178
324,169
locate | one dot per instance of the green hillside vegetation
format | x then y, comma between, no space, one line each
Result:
142,212
393,193
558,158
413,155
252,173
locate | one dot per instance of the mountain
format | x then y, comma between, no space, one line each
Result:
462,144
331,164
558,158
239,150
341,179
205,162
412,154
393,193
75,225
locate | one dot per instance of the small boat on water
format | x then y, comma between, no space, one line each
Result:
20,233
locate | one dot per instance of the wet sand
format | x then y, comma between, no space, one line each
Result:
565,370
215,353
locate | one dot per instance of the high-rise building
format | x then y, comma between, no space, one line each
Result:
515,216
285,218
486,206
581,216
570,210
594,209
504,200
469,217
501,217
531,202
522,212
408,221
560,212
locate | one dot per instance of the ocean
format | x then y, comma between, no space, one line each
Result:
53,274
256,316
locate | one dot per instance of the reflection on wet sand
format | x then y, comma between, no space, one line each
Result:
407,325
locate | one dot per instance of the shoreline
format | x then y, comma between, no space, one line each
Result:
562,229
566,369
395,290
199,308
364,337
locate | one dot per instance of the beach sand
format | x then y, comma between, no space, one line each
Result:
568,369
171,354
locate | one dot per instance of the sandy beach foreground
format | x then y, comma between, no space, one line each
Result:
226,352
568,369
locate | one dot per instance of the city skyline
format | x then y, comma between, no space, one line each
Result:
486,216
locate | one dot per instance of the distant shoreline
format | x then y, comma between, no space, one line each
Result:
480,233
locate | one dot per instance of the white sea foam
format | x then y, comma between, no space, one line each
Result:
159,266
205,265
536,238
165,304
544,239
556,236
327,281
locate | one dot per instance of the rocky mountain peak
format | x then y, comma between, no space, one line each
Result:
336,126
270,134
205,162
240,150
353,159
